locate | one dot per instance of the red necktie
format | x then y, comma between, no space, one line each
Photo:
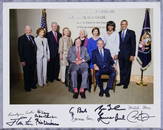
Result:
78,53
55,35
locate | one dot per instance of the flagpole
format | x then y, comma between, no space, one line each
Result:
141,83
144,54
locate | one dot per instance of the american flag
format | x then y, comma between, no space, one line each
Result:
43,20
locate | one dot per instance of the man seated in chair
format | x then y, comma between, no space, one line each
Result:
78,57
103,64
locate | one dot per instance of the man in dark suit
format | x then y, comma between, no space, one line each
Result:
27,54
126,54
103,64
53,40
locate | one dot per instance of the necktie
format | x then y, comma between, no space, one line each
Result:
55,35
123,35
78,53
30,38
102,56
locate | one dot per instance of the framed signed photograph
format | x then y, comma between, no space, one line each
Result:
81,65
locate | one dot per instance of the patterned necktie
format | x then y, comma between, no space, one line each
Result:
78,53
55,35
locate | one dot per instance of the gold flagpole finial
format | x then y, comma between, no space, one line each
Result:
43,10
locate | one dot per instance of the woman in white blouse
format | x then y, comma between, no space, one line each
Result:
111,39
43,56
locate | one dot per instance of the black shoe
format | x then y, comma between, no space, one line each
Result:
125,87
34,87
119,84
101,94
58,79
107,94
51,81
75,96
28,90
83,95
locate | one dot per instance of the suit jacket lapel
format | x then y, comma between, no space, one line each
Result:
120,33
74,51
26,38
81,52
104,54
58,36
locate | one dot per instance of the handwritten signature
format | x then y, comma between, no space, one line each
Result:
15,114
79,114
104,112
135,116
45,122
20,121
39,117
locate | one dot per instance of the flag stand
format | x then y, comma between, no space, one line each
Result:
141,83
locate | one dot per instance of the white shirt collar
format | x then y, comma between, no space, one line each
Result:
54,32
101,49
124,30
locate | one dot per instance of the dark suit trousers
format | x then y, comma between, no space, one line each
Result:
30,78
125,71
53,68
112,75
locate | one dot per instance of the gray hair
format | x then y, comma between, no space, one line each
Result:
100,40
84,31
27,26
54,23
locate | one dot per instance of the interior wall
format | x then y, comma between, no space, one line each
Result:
15,69
75,20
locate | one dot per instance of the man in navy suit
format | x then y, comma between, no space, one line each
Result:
53,41
103,64
27,54
126,54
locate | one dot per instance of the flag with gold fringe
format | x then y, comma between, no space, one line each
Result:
144,47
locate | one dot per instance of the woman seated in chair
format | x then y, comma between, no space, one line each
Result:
103,64
78,57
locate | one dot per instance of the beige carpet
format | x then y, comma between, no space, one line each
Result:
57,93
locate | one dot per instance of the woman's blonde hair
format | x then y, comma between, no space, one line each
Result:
84,31
68,30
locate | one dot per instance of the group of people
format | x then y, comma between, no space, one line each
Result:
50,53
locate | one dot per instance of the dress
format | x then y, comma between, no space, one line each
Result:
92,45
112,43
